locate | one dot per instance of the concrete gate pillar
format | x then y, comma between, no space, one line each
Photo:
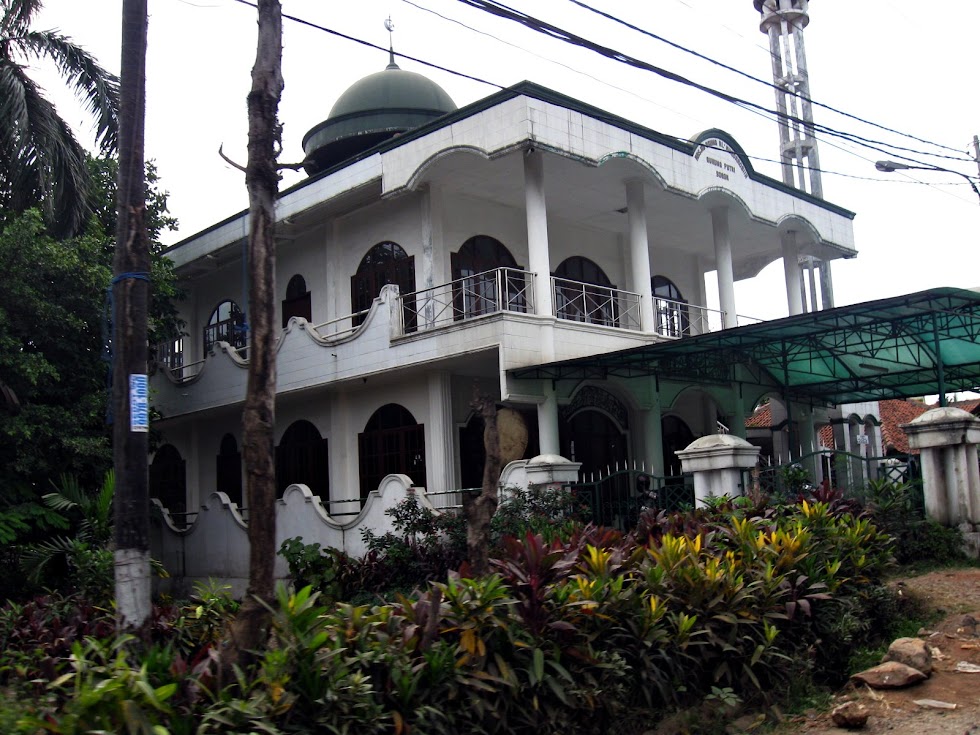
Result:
947,440
716,462
551,472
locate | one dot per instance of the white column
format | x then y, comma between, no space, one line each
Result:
723,262
791,272
539,260
636,210
654,439
431,204
440,431
548,421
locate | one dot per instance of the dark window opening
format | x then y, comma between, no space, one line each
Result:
297,302
671,312
226,324
478,288
302,458
676,435
591,298
228,472
392,443
385,263
168,482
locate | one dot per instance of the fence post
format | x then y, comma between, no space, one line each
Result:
717,461
947,439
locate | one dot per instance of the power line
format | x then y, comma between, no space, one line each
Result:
549,60
769,84
548,29
362,42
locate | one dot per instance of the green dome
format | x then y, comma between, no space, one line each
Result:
372,110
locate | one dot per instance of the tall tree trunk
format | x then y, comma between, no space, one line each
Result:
130,288
262,181
479,510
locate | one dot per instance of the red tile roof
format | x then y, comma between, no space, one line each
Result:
761,418
894,413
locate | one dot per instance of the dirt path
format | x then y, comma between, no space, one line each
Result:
956,594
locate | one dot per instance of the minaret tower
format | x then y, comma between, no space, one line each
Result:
783,22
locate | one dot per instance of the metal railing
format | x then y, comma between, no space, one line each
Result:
617,499
490,292
586,302
840,470
678,319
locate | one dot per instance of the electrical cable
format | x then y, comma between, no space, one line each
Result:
769,84
549,60
548,29
332,32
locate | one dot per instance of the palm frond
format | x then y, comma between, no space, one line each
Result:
96,87
17,15
34,559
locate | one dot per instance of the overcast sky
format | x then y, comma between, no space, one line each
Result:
902,64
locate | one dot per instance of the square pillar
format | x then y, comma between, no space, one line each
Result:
717,462
947,440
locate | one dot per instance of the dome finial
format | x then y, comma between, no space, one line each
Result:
389,24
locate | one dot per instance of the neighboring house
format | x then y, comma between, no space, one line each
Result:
435,249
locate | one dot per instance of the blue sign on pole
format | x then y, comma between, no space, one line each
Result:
139,403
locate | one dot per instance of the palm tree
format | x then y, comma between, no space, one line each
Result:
41,161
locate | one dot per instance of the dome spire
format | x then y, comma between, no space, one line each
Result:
389,24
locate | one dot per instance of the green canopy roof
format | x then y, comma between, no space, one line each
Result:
906,346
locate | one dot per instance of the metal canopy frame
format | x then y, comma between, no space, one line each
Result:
901,347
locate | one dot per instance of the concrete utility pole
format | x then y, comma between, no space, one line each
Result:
783,22
130,291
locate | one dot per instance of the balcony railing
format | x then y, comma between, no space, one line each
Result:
490,292
678,319
585,302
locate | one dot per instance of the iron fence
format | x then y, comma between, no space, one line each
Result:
617,499
490,292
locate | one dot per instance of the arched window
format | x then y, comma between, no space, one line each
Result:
297,301
168,481
392,442
301,457
385,263
226,324
584,293
670,308
476,275
228,469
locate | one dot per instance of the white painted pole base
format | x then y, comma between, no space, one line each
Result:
132,587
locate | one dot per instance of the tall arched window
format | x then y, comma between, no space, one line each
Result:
670,308
297,301
226,324
385,263
228,469
302,457
168,481
676,435
392,442
475,275
584,293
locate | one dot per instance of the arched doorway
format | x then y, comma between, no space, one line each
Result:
302,457
676,435
475,276
670,308
226,324
228,469
591,437
297,301
168,481
584,293
385,263
392,442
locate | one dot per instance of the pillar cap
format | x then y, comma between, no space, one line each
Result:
943,426
718,451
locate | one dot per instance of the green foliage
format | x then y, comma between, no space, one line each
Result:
897,508
104,691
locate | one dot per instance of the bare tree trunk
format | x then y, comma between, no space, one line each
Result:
130,289
262,181
479,511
